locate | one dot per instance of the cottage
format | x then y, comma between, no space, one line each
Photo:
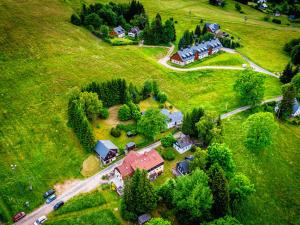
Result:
212,27
130,146
183,167
183,144
118,31
174,118
196,52
134,32
150,161
106,151
142,219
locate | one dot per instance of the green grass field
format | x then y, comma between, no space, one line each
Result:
43,56
274,172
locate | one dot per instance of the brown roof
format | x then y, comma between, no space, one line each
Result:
134,161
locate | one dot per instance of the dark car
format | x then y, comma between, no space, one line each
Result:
58,205
51,198
49,193
18,216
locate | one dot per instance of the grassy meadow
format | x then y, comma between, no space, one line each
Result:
43,56
274,172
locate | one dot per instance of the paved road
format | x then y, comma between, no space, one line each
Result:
255,67
83,186
244,108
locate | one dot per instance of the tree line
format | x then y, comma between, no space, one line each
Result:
98,17
158,33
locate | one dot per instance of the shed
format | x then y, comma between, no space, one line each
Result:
183,167
130,146
142,219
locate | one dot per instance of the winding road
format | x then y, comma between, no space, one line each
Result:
94,181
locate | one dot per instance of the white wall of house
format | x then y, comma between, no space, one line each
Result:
130,34
182,150
173,124
297,113
156,170
177,62
121,35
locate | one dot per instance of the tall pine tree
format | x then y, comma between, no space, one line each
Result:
219,187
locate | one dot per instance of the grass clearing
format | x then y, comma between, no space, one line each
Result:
274,172
83,201
90,166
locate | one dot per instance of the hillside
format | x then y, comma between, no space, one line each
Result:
43,56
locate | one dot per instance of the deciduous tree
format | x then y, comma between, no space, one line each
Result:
227,220
158,221
199,161
124,113
221,154
152,123
250,87
259,130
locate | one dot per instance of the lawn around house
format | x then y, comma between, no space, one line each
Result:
43,56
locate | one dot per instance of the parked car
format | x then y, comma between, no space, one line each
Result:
40,220
58,205
49,193
51,199
18,216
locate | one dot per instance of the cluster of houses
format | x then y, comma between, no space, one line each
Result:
196,52
151,161
121,33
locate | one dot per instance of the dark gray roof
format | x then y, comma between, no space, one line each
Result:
103,147
213,26
183,141
173,116
189,53
142,219
135,30
130,144
296,106
119,30
184,166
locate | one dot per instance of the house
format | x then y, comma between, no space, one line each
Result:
130,146
118,31
263,6
196,52
143,219
212,27
150,161
106,151
134,32
183,144
183,167
296,109
174,118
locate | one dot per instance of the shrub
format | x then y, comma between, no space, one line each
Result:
124,113
75,20
294,120
115,132
162,97
267,18
276,21
238,7
168,154
168,140
104,113
105,186
193,148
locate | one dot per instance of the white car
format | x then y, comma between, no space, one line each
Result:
40,220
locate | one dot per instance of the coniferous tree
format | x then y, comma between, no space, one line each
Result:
287,74
139,195
287,102
219,187
198,31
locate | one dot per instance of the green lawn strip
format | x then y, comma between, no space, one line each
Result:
82,201
274,171
101,217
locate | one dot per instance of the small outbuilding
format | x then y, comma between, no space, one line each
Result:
142,219
118,31
130,146
134,32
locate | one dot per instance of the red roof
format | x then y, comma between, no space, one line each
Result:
134,161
